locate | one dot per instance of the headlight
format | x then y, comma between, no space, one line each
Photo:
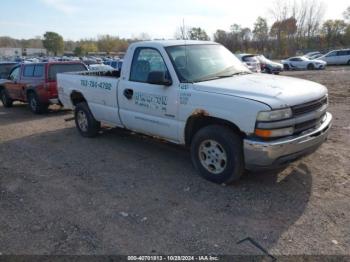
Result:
274,115
265,133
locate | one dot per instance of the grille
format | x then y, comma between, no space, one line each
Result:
309,107
299,128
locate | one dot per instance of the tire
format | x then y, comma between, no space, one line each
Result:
6,99
221,145
310,67
349,62
35,105
286,67
85,121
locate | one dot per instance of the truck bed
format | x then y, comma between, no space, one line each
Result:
112,73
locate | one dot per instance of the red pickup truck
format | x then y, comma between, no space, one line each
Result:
36,84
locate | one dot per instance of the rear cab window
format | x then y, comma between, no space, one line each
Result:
55,69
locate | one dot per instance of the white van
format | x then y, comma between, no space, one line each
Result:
337,57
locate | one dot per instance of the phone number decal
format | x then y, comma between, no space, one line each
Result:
95,84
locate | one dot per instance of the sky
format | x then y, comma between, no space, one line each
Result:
77,19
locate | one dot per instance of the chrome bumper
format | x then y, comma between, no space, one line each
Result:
276,153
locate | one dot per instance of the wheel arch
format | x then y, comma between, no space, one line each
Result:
77,97
30,89
201,119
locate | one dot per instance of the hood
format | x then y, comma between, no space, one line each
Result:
275,91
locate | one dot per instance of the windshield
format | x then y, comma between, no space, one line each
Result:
5,70
196,63
250,59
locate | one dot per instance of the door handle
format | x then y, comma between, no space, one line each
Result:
128,93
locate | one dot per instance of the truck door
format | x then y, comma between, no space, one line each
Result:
145,107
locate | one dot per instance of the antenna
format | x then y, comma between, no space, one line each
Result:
184,33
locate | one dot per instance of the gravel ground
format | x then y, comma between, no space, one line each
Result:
122,193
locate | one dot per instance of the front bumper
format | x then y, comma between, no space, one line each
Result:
273,154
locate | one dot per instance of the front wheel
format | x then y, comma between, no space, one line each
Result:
85,121
5,98
310,67
286,67
217,154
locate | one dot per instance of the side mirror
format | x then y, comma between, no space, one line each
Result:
159,78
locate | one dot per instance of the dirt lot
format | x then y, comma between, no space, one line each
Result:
126,194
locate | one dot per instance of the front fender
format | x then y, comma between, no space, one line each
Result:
239,111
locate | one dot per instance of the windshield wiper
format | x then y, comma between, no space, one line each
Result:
221,76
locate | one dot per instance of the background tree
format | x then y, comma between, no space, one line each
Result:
107,43
181,32
261,33
197,33
53,42
86,46
346,14
333,30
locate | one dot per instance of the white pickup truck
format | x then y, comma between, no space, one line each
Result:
200,95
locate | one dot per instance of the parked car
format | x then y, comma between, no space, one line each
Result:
117,64
268,66
251,62
337,57
36,84
198,94
301,62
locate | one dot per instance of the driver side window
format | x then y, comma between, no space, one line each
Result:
14,76
145,61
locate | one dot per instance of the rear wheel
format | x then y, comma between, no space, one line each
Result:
349,62
35,105
6,99
217,154
310,67
85,121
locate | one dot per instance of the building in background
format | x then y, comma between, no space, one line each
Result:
14,52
